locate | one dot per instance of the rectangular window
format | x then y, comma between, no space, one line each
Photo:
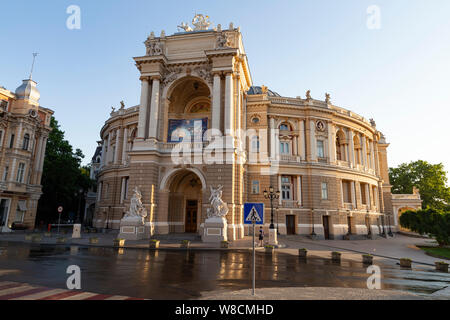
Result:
105,192
255,187
11,141
20,172
4,206
5,173
284,148
255,144
126,188
363,193
21,209
324,191
346,185
286,188
320,149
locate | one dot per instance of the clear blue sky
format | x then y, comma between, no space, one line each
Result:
398,75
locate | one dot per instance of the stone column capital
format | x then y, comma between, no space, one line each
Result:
143,78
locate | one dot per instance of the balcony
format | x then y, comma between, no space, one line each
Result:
289,158
289,204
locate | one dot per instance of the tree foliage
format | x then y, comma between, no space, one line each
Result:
62,178
430,221
430,179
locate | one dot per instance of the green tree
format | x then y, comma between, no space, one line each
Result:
430,222
62,177
431,179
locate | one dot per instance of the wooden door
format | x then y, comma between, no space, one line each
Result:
326,227
290,224
191,216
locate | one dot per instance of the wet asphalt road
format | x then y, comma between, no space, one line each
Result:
178,274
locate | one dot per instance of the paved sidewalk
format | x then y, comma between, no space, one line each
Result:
316,293
400,246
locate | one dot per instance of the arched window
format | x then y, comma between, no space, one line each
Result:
26,141
285,127
357,148
340,146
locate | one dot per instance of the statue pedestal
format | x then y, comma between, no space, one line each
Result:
273,241
76,233
132,229
215,230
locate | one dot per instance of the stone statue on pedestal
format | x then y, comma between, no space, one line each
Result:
218,207
137,209
215,227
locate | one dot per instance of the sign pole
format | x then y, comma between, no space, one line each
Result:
59,221
60,210
254,271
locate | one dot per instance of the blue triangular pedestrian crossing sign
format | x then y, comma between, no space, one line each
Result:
253,216
253,213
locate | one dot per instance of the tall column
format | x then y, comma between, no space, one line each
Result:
364,151
280,201
124,145
143,108
353,193
103,158
372,156
351,147
108,151
13,174
331,143
299,190
18,141
302,140
312,140
273,146
216,103
366,186
116,154
41,162
154,109
229,108
37,157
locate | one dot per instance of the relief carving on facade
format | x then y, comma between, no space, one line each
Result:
154,47
171,75
205,73
223,40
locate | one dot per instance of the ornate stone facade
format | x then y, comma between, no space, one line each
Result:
24,129
329,163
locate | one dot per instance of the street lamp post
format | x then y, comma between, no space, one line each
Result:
278,229
271,195
313,232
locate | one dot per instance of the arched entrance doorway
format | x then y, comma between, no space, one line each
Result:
185,188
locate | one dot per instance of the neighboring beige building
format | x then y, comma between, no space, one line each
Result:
329,164
24,129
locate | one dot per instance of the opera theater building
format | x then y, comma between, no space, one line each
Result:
203,128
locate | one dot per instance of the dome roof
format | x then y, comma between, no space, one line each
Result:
258,90
27,90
